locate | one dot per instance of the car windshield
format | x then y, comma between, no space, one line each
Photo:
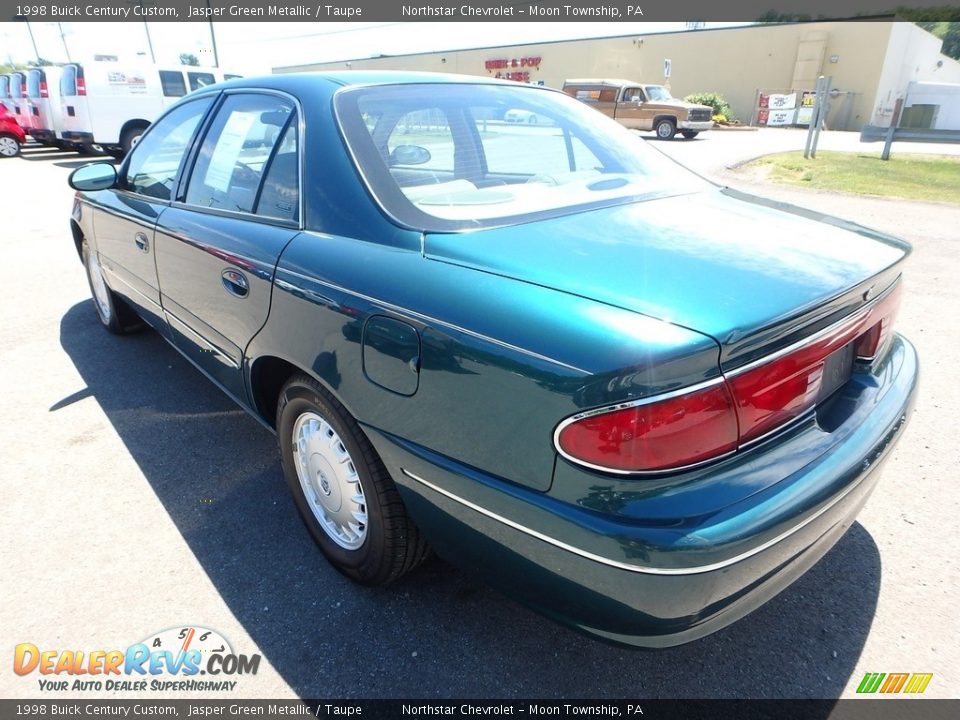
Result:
448,157
658,92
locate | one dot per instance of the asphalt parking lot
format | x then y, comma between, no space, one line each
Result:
139,498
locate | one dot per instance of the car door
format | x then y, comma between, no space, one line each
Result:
631,111
217,247
124,219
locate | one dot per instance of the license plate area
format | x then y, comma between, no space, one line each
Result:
837,370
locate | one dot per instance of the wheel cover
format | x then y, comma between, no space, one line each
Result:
329,480
101,295
664,129
8,146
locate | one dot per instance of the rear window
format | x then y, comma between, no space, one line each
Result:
436,160
173,83
16,85
68,81
4,86
33,83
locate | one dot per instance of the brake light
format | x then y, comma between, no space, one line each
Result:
706,422
669,433
81,86
43,89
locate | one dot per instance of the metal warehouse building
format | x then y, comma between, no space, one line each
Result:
871,63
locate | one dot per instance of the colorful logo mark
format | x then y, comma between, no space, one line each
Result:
894,683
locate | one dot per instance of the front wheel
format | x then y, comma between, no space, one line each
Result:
9,146
689,134
342,489
666,129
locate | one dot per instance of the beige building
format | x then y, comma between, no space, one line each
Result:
871,63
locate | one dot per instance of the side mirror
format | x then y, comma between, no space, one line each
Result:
95,176
409,155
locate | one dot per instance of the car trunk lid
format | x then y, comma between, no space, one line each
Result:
725,264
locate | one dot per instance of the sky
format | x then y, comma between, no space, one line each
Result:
255,48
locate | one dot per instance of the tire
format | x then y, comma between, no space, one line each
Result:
130,137
114,314
9,146
666,128
689,134
326,460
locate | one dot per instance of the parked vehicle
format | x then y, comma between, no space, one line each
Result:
18,96
108,105
11,134
5,99
521,116
641,106
640,403
44,123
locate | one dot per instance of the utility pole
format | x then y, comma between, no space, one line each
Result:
33,42
63,38
146,28
213,38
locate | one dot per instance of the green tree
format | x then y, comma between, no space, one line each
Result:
189,59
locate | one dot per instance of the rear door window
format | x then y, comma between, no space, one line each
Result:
16,85
68,80
236,152
33,83
172,83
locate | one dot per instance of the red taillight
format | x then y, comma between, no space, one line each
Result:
661,435
43,89
81,86
707,422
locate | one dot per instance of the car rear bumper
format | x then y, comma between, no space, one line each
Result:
627,571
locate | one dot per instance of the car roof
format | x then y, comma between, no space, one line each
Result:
604,81
300,82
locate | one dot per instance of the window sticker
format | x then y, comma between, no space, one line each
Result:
227,151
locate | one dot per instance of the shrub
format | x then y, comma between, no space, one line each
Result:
716,101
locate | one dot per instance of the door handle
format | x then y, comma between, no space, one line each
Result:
141,240
235,282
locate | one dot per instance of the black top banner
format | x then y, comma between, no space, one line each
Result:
471,10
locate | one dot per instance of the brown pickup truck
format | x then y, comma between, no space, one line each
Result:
641,106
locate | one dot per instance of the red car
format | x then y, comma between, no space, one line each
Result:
11,134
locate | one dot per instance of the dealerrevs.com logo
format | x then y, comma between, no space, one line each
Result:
177,659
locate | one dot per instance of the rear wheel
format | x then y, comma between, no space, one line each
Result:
130,137
9,145
344,494
114,314
689,134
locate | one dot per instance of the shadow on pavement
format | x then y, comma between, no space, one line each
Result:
437,633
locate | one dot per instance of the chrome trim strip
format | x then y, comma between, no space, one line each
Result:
643,569
632,404
849,319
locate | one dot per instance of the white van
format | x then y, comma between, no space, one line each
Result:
43,105
18,98
5,98
110,104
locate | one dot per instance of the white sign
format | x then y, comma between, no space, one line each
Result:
783,102
781,117
666,68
